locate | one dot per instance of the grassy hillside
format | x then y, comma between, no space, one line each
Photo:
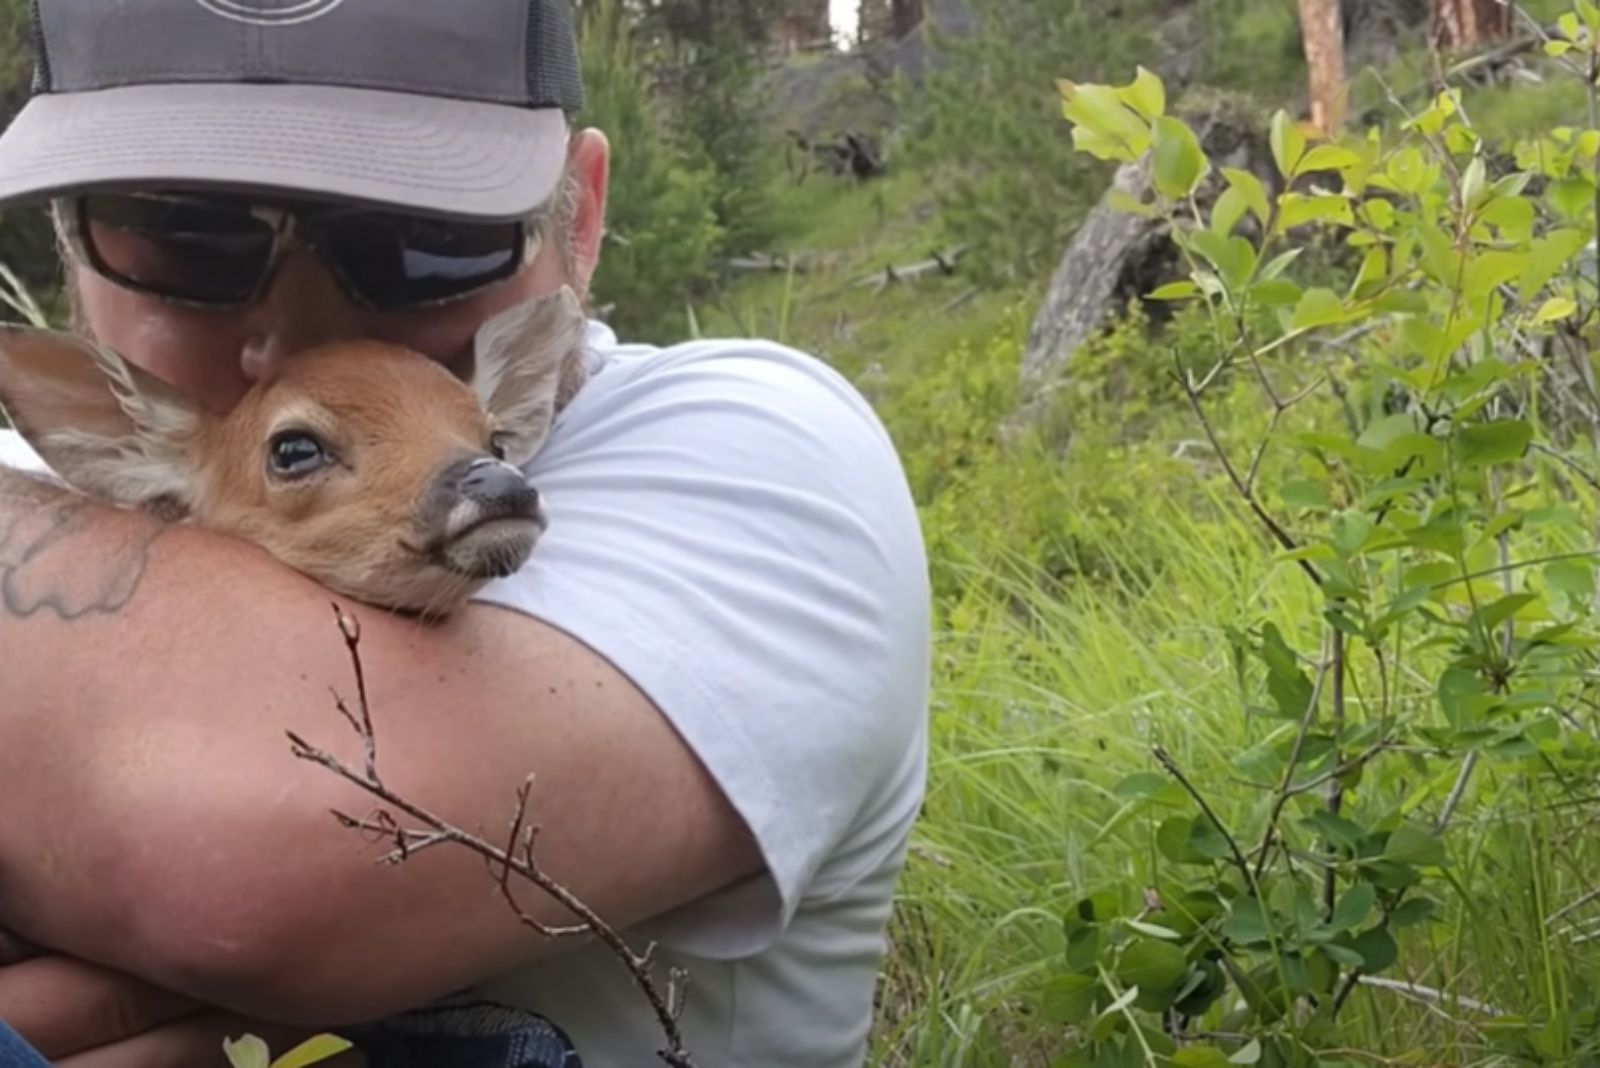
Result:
1092,581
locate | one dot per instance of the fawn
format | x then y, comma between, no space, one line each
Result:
367,466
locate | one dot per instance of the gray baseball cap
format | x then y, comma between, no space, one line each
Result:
453,107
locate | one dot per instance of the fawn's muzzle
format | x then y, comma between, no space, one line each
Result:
491,521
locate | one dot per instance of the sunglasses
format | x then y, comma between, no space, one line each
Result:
219,251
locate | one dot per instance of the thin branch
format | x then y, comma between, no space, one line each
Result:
1177,773
1264,850
667,1006
1330,878
1239,484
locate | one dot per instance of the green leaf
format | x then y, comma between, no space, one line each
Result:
1378,950
1571,196
1343,955
1462,696
1354,906
1069,999
1350,532
1172,839
1304,493
1501,609
1575,578
312,1051
1317,307
1547,256
1557,48
1514,215
1178,160
1248,1054
1298,209
1336,829
1275,292
247,1052
1474,182
1227,212
1247,922
1501,441
1328,158
1412,845
1125,202
1153,930
1098,110
1412,912
1378,212
1200,1057
1083,948
1251,189
1280,263
1288,143
1152,966
1555,308
1146,94
1175,291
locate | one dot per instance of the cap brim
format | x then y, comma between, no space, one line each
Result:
421,153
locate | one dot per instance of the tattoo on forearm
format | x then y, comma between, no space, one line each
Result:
63,555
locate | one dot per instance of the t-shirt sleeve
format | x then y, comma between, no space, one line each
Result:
731,528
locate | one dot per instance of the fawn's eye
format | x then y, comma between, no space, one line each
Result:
296,454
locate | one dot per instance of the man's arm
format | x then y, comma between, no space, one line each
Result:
157,821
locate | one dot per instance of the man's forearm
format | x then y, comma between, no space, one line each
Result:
158,822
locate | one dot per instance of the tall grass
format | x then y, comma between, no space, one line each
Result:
1048,693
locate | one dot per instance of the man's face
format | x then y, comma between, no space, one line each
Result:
215,355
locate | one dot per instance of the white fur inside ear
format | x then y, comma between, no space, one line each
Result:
129,469
100,424
520,356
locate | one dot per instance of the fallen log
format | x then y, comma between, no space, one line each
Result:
943,262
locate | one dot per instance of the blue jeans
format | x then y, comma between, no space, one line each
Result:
15,1053
461,1035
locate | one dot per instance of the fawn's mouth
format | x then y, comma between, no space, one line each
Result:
481,521
488,539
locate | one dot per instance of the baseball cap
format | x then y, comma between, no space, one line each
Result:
451,107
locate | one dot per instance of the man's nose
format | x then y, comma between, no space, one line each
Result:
303,307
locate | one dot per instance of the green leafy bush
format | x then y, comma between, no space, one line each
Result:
1423,463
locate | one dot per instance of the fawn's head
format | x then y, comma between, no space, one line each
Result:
367,466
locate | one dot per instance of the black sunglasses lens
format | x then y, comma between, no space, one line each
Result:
189,249
393,260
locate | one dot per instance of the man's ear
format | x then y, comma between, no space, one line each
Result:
109,429
520,356
589,162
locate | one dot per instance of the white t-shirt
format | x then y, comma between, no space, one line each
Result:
731,528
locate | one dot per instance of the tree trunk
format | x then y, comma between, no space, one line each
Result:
1465,24
904,16
1322,34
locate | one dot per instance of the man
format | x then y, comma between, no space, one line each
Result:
715,663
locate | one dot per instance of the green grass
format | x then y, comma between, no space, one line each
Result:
1047,694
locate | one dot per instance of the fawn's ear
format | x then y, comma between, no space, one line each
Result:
520,357
108,428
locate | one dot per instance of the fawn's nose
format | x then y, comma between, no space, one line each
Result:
499,489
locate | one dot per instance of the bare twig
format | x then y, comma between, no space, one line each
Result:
517,857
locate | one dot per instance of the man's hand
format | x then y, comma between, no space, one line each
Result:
65,1007
79,1015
